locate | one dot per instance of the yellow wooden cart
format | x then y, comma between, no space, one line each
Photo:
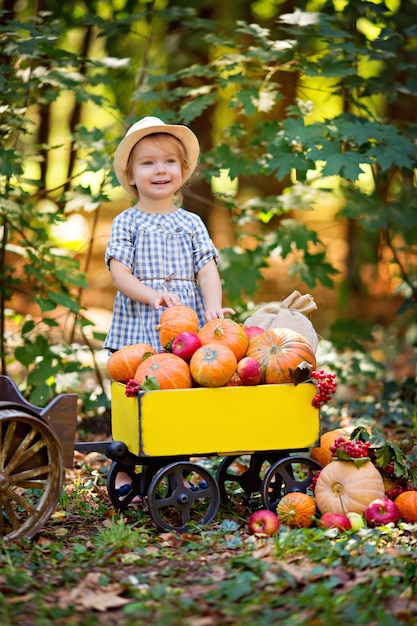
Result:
164,442
259,432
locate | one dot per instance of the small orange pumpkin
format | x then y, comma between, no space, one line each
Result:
170,370
407,505
322,453
226,332
122,365
175,320
296,510
213,365
342,487
278,352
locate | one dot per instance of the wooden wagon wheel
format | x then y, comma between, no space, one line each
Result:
182,495
241,476
293,473
31,473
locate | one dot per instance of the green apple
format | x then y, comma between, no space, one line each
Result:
357,520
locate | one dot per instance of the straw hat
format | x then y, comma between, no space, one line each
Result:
147,126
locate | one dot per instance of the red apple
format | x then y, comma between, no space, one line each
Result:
381,511
252,331
185,344
335,520
249,371
263,523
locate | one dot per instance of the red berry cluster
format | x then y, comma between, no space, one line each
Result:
314,480
326,385
132,388
353,448
389,470
400,486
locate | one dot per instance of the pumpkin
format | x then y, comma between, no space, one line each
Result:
278,352
407,505
175,320
213,365
322,453
343,487
226,332
122,365
170,370
296,510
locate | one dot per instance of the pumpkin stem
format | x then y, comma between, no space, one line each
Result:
342,505
337,489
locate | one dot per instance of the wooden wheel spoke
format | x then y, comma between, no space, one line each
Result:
11,515
23,453
6,443
26,475
22,502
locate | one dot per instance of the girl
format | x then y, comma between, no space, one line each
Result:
159,255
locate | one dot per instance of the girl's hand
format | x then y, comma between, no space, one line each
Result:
165,298
213,314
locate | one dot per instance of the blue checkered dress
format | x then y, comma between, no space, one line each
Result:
165,252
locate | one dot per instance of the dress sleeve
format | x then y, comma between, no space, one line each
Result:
203,246
121,244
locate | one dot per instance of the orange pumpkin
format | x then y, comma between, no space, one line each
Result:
226,332
213,365
296,510
170,370
342,487
278,352
407,505
175,320
322,453
122,365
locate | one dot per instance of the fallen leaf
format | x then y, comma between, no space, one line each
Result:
102,601
266,550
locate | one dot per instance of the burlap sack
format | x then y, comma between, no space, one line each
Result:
290,313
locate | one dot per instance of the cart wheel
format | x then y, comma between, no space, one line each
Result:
293,473
241,476
122,497
182,494
31,473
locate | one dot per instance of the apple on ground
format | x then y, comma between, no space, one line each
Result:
381,511
335,520
263,523
249,371
185,344
357,520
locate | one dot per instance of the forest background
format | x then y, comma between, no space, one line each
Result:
306,115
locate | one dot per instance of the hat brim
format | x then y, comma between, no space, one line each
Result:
125,147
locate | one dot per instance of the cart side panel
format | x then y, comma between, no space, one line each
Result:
125,417
61,415
218,421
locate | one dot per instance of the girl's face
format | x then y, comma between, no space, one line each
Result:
155,167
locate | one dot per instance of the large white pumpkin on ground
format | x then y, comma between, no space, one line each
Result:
342,487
